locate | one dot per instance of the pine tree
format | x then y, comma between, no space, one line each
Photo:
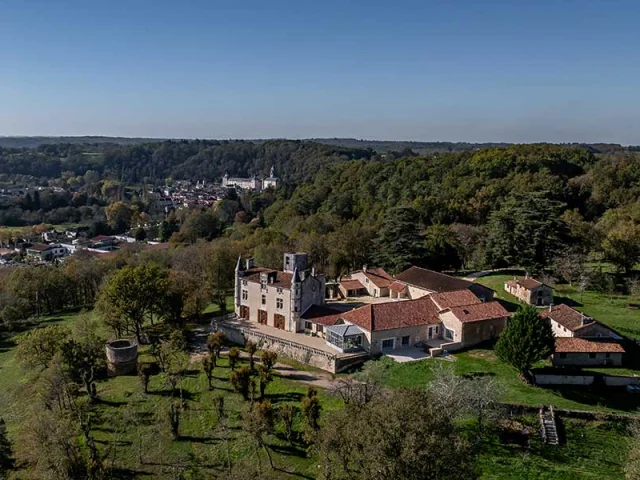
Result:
399,243
527,339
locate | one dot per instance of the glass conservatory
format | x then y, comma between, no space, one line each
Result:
345,338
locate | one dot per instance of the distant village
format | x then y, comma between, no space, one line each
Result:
56,244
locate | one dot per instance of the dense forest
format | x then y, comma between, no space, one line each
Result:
525,205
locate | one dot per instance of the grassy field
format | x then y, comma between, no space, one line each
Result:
484,362
611,310
593,450
127,421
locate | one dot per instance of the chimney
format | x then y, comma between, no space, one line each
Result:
313,271
551,306
364,268
250,263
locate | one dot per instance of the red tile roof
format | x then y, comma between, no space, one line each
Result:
430,280
479,312
567,317
352,285
581,345
40,247
390,315
283,279
397,286
458,298
528,283
379,277
322,315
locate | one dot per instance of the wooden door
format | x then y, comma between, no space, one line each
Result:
244,312
262,317
278,321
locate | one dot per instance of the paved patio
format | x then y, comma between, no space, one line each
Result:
299,338
408,355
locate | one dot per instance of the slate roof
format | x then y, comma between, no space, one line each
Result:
582,345
479,312
567,317
430,280
283,279
322,315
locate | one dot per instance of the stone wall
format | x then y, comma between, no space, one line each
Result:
301,353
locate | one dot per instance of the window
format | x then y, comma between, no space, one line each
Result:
449,334
388,344
607,355
319,328
592,355
366,280
308,325
245,283
279,303
279,290
563,355
245,295
264,299
405,340
375,292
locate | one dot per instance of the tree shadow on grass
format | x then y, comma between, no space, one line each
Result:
508,306
615,398
295,474
473,375
284,397
127,473
288,450
186,394
203,440
109,403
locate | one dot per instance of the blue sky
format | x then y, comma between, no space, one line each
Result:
518,70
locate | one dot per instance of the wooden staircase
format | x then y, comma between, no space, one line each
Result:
549,427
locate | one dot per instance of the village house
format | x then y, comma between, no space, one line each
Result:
444,321
416,282
530,291
374,282
45,253
582,340
278,298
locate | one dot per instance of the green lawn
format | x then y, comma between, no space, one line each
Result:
593,450
125,417
484,362
611,310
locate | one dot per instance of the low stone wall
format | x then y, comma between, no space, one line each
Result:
449,347
301,353
609,380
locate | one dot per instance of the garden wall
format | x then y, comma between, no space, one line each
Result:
332,363
609,380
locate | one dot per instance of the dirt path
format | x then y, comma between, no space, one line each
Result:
314,378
